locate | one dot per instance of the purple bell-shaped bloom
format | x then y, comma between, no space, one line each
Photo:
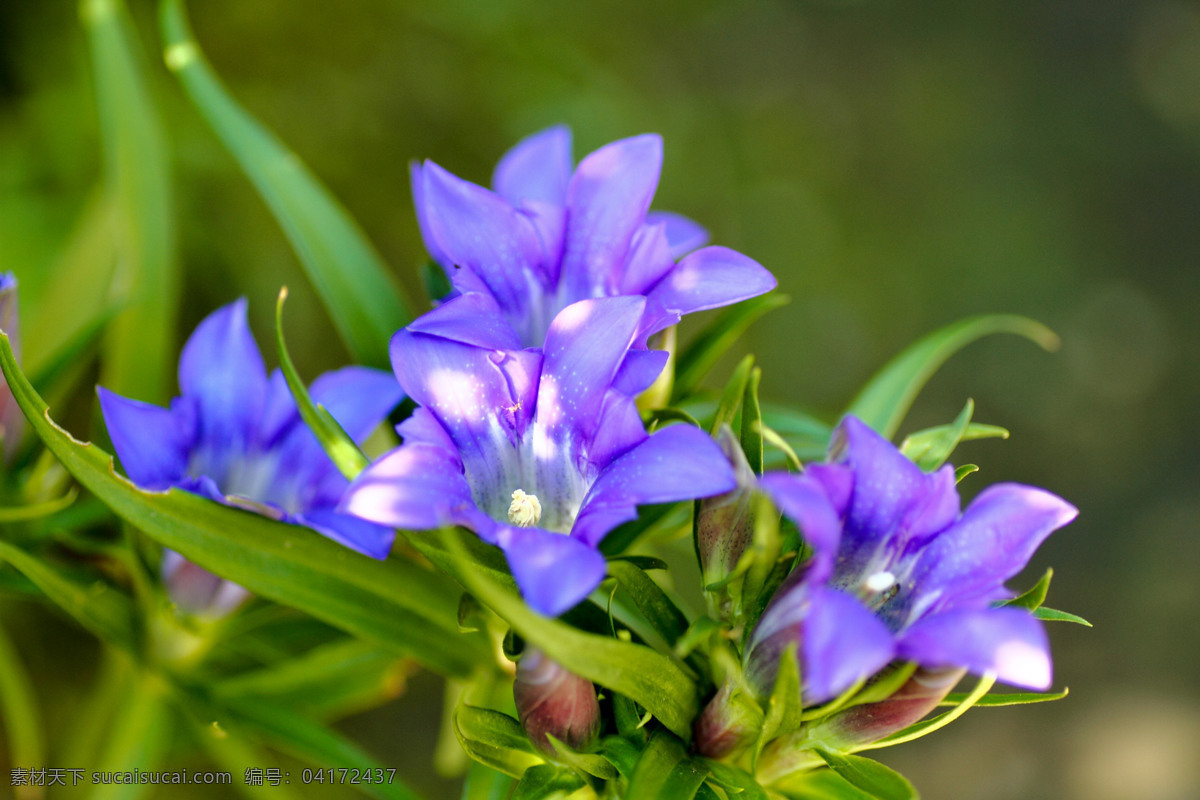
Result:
234,435
898,571
551,234
539,451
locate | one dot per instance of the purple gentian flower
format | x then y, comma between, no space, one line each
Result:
235,435
538,451
550,235
897,571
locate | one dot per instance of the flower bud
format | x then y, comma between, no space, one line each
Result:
12,422
725,523
197,591
729,722
554,702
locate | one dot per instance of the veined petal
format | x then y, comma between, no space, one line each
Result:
554,572
679,462
585,345
649,260
481,232
1006,641
357,534
222,372
683,235
415,486
607,200
151,442
843,643
992,541
537,168
472,318
711,278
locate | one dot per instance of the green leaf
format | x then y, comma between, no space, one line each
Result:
1033,598
485,783
348,273
931,448
338,445
781,444
665,770
94,604
495,739
584,764
997,700
140,349
650,599
964,471
698,357
37,510
697,634
434,279
395,602
137,737
649,678
807,435
869,776
733,395
18,704
784,708
546,782
751,434
820,784
735,781
658,417
886,398
1054,615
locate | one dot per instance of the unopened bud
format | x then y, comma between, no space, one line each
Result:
552,701
725,524
728,723
12,422
197,591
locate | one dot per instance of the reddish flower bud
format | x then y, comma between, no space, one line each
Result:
12,422
552,701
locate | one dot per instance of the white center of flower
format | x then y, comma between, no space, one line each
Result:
880,581
525,511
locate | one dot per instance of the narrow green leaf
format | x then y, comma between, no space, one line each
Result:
137,737
665,770
650,599
735,781
38,510
885,400
94,604
964,471
434,279
732,396
751,432
22,723
1054,615
931,449
651,679
622,753
395,602
779,443
658,417
338,445
819,784
1033,598
485,783
140,347
348,274
697,634
871,777
584,764
495,739
921,729
997,700
235,755
698,357
784,708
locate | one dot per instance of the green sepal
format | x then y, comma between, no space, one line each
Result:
665,770
547,782
932,447
884,401
495,739
785,711
869,776
336,443
964,471
751,435
1054,615
998,700
1033,597
348,274
735,781
698,357
586,765
732,396
654,604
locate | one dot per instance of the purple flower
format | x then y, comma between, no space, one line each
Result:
549,236
539,451
236,437
897,571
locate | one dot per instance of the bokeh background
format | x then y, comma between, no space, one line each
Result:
897,165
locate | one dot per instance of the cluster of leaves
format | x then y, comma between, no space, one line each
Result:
332,631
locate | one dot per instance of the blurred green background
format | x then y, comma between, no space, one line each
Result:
897,165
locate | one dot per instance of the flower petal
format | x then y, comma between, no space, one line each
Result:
222,372
416,174
620,429
151,442
649,260
607,201
359,398
807,502
479,231
1006,641
357,534
554,572
640,370
679,462
471,318
585,346
537,168
683,235
415,486
992,541
711,278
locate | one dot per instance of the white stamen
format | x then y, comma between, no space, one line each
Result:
525,511
880,581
